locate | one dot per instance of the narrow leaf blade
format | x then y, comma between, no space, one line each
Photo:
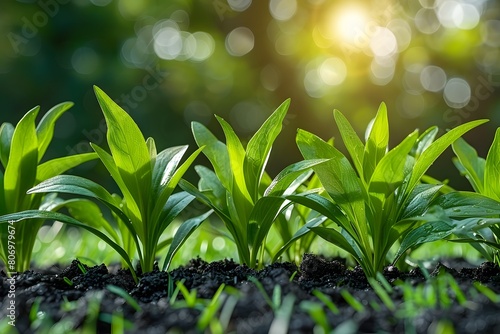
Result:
20,173
184,231
492,169
259,147
128,148
45,129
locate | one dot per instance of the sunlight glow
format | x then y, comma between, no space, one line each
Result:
349,23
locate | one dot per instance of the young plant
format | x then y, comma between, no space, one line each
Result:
374,202
484,177
238,189
472,217
21,151
146,179
294,225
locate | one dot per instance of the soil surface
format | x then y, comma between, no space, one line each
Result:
289,305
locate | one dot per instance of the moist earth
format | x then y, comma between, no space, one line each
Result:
244,308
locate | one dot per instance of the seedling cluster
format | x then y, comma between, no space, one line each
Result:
377,206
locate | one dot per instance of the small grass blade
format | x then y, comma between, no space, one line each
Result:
327,301
122,293
382,294
351,300
282,317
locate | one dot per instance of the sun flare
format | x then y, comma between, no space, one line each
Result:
349,23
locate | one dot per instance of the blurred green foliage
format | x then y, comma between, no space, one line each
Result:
434,62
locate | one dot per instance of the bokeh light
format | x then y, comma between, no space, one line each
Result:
457,93
239,5
427,21
282,10
242,58
383,43
240,41
333,71
433,78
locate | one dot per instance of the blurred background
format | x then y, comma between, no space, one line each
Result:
168,63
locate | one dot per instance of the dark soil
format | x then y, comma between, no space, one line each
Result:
244,306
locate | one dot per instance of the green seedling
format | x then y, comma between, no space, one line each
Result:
68,281
459,295
352,301
374,200
382,293
317,313
190,299
147,180
327,301
122,293
228,307
282,315
484,177
207,317
294,225
238,189
273,302
81,267
22,149
490,294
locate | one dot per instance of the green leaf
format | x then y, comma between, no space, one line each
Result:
108,162
471,240
183,232
377,142
150,143
281,183
337,239
3,209
301,232
492,169
165,165
6,133
211,186
420,199
37,214
76,185
236,159
173,207
45,129
425,140
129,150
471,163
172,183
428,157
89,213
123,294
60,165
216,152
343,185
263,215
462,204
20,172
351,140
389,172
259,147
431,231
323,206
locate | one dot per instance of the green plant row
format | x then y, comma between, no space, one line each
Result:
377,204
